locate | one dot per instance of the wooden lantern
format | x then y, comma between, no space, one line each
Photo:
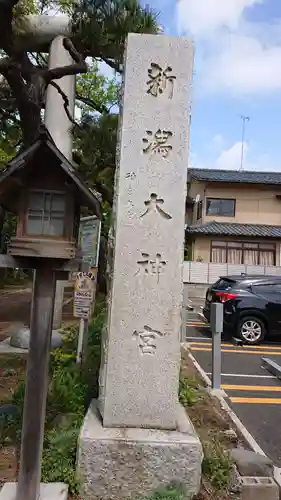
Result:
42,187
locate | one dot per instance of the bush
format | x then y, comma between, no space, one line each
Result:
59,456
217,464
172,492
70,390
188,394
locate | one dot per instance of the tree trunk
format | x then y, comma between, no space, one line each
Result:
3,270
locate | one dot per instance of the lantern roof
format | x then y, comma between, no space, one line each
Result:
33,158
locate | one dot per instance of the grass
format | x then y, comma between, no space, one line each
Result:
70,390
172,492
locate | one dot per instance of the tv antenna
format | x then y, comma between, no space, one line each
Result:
244,120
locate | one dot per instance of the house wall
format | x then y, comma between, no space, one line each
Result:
255,204
201,247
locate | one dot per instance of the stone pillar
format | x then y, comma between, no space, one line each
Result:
59,126
147,288
56,119
144,436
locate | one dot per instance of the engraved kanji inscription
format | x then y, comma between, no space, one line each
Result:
131,175
147,339
153,205
160,80
158,142
150,266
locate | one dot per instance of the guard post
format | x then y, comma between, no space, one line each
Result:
216,329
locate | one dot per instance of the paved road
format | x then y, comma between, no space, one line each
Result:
253,393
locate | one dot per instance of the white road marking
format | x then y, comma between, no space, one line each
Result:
198,338
239,375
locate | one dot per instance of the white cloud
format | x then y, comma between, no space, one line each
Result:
218,142
201,16
245,65
229,158
106,70
233,55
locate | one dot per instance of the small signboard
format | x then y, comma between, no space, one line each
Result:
84,292
90,228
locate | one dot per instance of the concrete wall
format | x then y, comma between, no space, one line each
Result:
205,272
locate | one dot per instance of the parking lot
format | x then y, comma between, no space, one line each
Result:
253,394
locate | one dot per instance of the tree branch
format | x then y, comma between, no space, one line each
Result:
65,103
101,108
79,66
113,64
8,116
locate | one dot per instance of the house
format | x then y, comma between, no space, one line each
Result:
233,217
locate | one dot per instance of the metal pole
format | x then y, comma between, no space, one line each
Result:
80,341
85,342
244,118
42,309
216,328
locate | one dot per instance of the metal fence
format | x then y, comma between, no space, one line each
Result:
207,272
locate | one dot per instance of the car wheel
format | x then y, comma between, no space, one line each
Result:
251,330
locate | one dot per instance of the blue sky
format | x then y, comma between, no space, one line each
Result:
237,72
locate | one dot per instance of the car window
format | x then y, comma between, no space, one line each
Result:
270,288
223,284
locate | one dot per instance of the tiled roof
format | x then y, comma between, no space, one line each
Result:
235,229
249,177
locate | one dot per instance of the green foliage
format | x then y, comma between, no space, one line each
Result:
101,26
188,393
59,456
216,464
67,390
95,153
94,91
70,390
172,492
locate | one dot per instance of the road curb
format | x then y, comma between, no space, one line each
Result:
221,395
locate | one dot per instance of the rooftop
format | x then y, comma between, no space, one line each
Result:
235,176
235,229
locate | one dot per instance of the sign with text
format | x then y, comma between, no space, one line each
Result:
84,292
90,228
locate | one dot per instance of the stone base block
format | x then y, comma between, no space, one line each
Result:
259,488
51,491
119,463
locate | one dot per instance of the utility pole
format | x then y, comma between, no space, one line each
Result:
244,119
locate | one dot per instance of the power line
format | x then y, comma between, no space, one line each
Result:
244,120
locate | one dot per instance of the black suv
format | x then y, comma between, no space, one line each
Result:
252,305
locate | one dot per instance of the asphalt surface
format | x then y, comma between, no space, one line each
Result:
253,393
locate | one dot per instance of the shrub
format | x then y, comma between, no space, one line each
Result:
171,492
70,390
217,464
59,456
188,395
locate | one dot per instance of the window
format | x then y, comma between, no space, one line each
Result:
236,252
46,213
265,289
219,207
199,210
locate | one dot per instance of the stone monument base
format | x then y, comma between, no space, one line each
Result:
117,463
51,491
